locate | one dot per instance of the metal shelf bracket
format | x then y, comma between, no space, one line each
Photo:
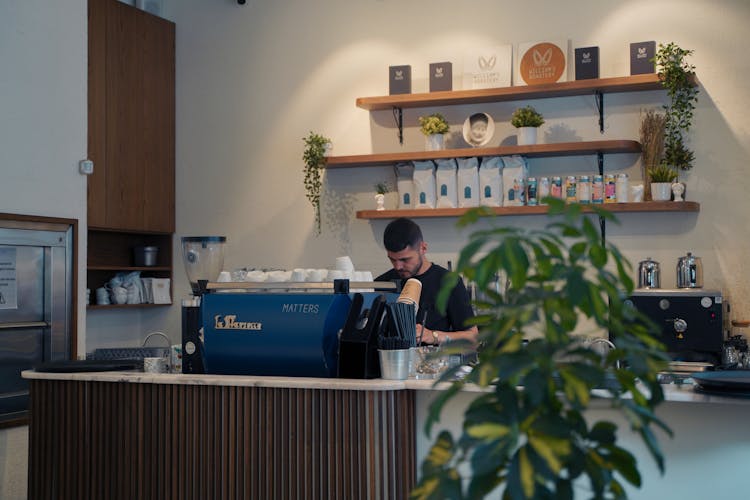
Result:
398,116
599,95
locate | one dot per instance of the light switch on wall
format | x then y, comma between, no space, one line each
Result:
86,167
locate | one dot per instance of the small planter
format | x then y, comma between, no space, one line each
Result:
661,191
434,142
526,136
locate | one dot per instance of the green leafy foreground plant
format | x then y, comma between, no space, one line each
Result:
534,442
314,158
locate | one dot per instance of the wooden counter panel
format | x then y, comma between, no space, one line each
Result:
115,440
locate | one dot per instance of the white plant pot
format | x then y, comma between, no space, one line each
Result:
434,142
661,191
526,136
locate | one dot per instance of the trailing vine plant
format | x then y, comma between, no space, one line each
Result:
677,76
314,158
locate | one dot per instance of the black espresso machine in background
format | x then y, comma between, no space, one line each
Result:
691,321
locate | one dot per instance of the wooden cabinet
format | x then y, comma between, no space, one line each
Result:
596,88
112,252
131,139
131,119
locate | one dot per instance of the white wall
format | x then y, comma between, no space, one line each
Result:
43,119
42,137
252,80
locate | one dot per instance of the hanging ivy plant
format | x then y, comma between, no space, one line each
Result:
314,158
677,76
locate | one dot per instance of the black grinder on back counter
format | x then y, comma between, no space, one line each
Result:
690,320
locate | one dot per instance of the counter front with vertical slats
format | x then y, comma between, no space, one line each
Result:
113,439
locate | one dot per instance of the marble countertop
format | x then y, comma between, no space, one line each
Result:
673,393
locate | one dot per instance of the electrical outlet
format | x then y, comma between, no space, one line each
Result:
86,167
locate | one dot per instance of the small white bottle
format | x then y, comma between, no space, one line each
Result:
621,188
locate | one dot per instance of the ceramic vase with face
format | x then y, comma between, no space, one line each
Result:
380,201
678,190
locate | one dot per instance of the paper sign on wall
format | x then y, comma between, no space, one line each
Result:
8,283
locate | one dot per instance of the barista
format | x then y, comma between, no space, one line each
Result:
407,252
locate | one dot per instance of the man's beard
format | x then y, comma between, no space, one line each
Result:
410,273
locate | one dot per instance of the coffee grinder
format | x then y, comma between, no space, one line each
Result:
203,257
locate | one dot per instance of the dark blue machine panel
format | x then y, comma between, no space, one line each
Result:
283,334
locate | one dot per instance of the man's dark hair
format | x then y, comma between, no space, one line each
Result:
401,233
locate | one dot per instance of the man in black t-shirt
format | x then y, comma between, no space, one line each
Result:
406,250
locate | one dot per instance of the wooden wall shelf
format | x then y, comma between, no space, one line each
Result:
646,206
532,151
575,88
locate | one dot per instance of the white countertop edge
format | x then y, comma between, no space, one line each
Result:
222,380
672,393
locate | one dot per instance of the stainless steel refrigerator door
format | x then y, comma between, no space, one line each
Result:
35,310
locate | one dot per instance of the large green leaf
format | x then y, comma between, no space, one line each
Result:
603,432
624,462
554,451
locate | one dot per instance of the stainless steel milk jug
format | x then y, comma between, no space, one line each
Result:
648,274
689,272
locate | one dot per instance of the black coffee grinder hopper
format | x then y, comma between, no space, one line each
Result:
358,343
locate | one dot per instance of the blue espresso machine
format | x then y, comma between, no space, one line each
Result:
281,329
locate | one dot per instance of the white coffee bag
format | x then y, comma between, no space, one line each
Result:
424,184
446,182
491,182
405,185
468,182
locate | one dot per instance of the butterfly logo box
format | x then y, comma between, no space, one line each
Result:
489,67
542,62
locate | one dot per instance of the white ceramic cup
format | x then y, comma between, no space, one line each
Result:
344,263
102,296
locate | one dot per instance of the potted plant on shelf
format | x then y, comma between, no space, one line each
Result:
527,120
652,146
434,127
536,442
662,177
381,189
678,78
316,149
